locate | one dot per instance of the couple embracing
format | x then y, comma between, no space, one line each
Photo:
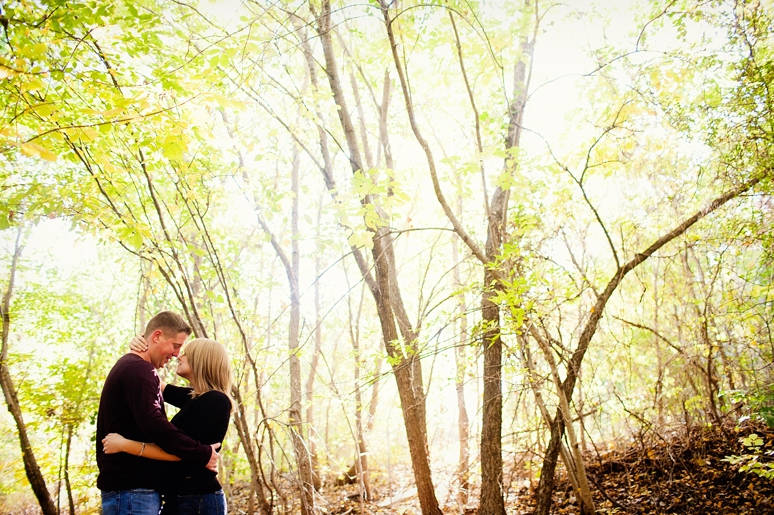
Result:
145,459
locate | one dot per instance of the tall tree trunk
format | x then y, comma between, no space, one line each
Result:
292,267
491,425
491,502
299,445
358,472
31,468
316,355
408,375
406,365
362,458
259,481
460,357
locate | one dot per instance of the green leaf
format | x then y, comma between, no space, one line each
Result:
136,240
44,109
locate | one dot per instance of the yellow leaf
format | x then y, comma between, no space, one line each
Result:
89,133
111,112
30,149
238,104
47,155
35,150
220,99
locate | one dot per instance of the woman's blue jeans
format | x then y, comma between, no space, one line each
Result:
202,504
138,501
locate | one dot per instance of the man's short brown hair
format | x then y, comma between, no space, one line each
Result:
169,323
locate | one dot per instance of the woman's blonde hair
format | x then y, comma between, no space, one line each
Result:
210,367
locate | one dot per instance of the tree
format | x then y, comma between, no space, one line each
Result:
35,477
497,209
736,185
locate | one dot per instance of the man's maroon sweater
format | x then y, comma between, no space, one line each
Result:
131,405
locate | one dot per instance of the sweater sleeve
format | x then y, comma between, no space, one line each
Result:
177,396
144,400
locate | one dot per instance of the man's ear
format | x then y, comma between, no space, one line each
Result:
155,335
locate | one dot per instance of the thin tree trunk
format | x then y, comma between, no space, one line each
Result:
526,358
703,320
292,267
375,390
351,474
460,357
258,479
491,502
31,468
361,459
243,430
573,457
358,472
658,400
316,355
406,367
68,487
299,445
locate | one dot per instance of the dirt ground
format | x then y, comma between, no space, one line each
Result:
675,474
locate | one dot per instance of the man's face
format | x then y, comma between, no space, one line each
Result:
162,349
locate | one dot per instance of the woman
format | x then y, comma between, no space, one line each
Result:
205,410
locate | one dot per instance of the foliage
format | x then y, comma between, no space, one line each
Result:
752,460
759,403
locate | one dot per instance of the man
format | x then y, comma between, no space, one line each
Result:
131,405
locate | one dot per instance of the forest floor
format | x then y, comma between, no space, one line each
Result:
676,474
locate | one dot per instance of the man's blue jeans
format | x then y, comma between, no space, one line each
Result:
138,501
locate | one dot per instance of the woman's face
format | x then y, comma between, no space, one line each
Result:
183,369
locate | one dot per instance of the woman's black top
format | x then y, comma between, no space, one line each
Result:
204,418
